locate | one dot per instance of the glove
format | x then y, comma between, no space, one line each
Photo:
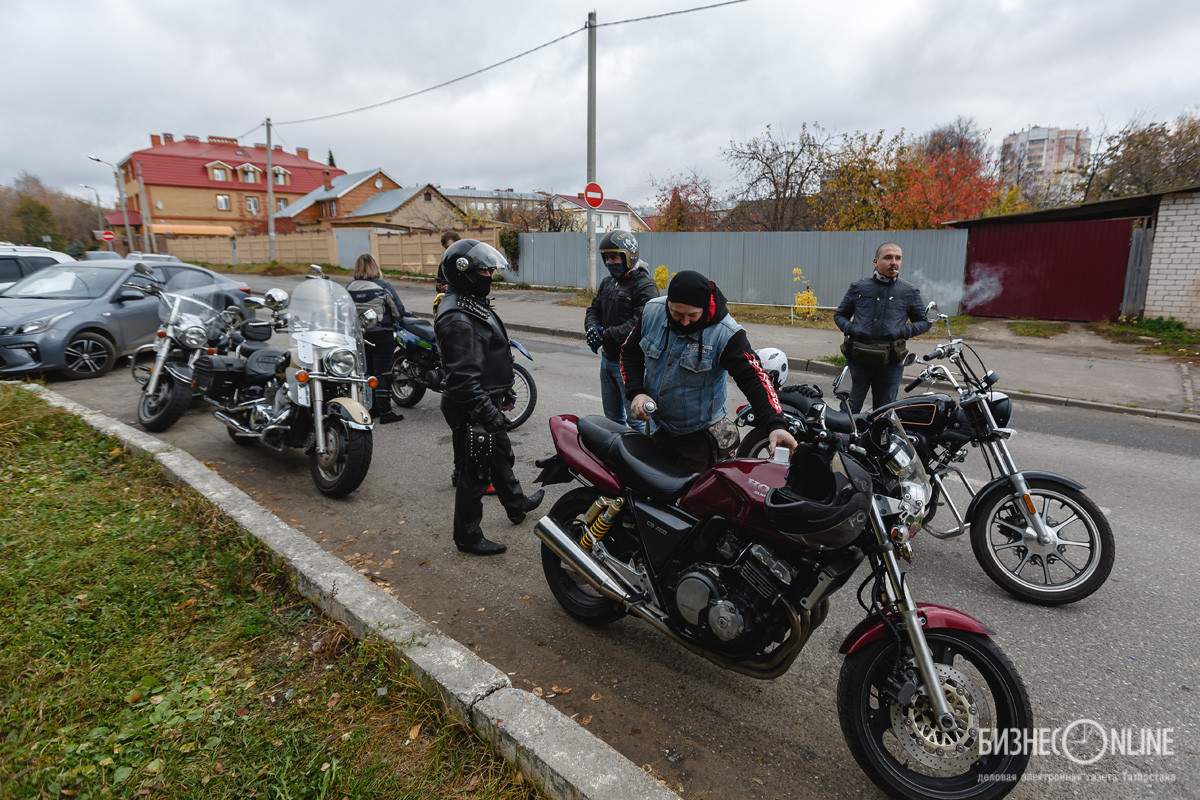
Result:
495,423
808,390
595,338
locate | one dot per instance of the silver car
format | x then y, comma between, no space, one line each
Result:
78,318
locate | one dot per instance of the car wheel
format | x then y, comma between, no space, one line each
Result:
88,355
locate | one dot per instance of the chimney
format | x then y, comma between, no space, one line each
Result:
155,140
169,138
302,152
328,183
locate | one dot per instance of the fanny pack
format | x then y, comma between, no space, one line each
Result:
874,354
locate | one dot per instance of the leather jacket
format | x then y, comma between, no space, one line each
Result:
878,311
617,306
475,354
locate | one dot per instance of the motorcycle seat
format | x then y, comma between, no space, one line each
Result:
835,420
263,364
417,326
247,347
635,459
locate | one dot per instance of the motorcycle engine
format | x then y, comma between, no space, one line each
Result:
728,601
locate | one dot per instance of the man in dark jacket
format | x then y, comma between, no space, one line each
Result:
878,315
678,355
479,378
612,315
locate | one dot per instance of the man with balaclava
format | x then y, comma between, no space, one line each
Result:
612,315
479,379
678,355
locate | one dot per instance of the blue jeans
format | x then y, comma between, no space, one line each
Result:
612,395
884,383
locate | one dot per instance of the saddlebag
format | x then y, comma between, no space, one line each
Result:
218,376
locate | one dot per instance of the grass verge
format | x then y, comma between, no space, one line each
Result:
148,648
1037,328
1168,337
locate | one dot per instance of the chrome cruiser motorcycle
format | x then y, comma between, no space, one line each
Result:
191,325
310,395
1034,533
739,564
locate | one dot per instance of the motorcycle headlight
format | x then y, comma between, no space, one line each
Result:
194,337
914,504
899,457
341,362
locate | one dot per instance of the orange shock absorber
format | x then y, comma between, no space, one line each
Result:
599,519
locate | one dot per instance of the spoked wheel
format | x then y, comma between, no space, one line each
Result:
341,468
903,750
524,395
1073,564
579,599
159,411
754,444
407,389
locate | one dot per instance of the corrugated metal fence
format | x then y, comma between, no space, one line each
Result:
758,267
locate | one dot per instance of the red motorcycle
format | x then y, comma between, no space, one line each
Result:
738,564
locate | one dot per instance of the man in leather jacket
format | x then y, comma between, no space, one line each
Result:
613,313
479,377
679,355
878,314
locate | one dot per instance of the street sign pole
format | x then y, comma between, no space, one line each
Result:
591,149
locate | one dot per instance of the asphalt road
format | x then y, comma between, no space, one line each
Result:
1128,657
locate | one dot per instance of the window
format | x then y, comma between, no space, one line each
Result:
333,208
428,197
218,174
222,202
252,205
280,203
280,177
249,175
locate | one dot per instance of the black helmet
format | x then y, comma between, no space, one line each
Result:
824,503
463,259
622,243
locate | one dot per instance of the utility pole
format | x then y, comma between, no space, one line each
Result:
99,213
591,149
147,226
270,199
121,196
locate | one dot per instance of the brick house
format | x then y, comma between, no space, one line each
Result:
212,187
334,197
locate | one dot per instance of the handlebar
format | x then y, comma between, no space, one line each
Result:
915,383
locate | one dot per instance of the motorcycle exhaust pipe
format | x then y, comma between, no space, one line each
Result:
569,550
233,423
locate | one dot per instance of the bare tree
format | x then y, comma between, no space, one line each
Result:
777,176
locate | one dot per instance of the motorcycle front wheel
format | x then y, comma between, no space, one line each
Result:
1075,563
159,411
525,393
406,389
902,749
572,592
347,457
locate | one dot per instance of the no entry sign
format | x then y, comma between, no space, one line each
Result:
108,236
593,195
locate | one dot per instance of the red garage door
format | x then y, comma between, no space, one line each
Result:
1048,270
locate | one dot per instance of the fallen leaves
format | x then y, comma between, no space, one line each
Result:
333,701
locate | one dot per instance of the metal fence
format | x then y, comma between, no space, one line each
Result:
758,267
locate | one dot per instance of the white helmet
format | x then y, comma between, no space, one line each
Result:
775,363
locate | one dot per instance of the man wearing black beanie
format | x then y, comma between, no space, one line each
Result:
678,356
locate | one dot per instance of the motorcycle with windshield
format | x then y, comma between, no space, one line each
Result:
1034,533
739,564
309,396
192,324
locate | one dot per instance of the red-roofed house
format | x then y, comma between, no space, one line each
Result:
611,215
213,187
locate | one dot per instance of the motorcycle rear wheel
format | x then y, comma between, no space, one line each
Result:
576,597
754,445
159,411
1081,558
526,398
347,458
406,390
902,750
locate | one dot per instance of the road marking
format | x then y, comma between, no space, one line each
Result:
591,397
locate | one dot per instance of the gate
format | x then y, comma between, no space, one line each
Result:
1048,270
352,243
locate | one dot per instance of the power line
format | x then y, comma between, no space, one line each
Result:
670,13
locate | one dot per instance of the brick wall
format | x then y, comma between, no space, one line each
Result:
1173,289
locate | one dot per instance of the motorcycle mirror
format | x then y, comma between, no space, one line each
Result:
932,312
316,270
368,318
276,299
841,377
909,359
142,269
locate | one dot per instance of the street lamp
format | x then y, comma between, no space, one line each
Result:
121,195
99,213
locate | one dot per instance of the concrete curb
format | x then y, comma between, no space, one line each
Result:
561,757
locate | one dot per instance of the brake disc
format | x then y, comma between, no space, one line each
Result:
918,733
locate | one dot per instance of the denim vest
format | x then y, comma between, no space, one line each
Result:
683,372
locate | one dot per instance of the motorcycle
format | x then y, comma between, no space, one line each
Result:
725,564
308,396
1034,533
191,326
417,367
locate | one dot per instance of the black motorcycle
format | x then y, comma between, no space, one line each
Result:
417,367
738,565
1035,533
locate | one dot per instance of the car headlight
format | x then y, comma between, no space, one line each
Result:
40,324
341,362
194,337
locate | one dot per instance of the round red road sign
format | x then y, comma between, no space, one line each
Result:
108,236
593,195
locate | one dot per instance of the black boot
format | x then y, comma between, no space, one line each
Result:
482,547
528,503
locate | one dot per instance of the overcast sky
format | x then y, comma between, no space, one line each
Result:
97,77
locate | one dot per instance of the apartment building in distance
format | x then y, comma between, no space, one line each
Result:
216,186
1037,159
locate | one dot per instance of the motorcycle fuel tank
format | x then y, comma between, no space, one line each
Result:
927,414
736,490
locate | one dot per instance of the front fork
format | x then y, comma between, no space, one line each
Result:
898,596
160,358
1020,490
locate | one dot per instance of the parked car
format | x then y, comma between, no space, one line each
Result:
78,318
148,257
101,255
17,261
